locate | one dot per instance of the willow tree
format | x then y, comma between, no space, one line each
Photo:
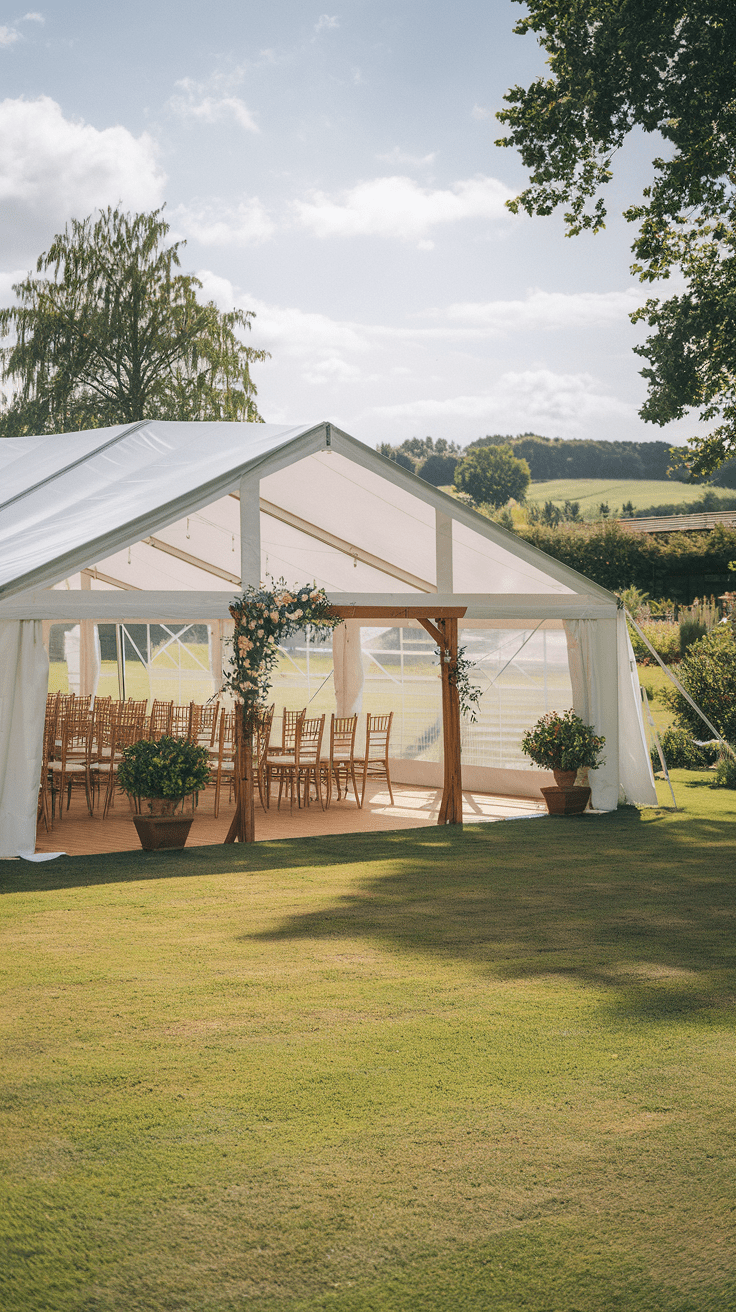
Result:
112,332
667,67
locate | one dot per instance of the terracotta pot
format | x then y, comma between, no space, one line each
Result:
565,778
158,831
566,801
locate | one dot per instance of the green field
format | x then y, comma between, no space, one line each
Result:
441,1071
642,493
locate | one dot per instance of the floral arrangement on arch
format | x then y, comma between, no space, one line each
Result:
263,618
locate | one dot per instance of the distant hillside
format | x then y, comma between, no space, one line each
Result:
655,495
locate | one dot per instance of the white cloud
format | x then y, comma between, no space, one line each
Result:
198,103
399,207
9,36
53,169
33,18
398,156
537,399
481,113
214,224
544,310
7,295
325,22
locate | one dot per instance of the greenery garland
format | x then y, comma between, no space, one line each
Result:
459,677
264,618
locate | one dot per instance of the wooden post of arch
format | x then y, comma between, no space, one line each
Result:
243,826
445,635
440,623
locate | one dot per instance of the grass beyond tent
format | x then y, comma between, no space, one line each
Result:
479,1071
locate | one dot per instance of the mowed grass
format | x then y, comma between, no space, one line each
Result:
479,1070
641,492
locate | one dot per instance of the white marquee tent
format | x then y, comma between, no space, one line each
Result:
158,523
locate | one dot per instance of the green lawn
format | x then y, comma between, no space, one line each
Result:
474,1071
590,492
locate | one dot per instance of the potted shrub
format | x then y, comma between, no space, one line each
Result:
564,744
162,772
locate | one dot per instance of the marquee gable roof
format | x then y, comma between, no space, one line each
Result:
73,501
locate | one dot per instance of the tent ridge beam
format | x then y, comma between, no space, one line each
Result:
340,544
196,561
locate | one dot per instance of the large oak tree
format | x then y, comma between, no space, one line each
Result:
113,333
667,67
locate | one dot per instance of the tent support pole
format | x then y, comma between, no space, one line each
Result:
443,551
243,827
250,531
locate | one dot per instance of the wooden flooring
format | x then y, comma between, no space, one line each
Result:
80,834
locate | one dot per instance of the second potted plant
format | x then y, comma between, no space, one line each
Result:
563,743
162,773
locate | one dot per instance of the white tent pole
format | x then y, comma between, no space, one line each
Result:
250,531
443,549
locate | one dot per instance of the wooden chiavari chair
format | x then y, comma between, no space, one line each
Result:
71,762
375,762
203,723
46,789
181,720
122,735
223,764
340,764
304,765
159,723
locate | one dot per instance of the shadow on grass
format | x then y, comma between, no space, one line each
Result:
640,904
641,907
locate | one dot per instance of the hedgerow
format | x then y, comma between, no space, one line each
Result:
677,565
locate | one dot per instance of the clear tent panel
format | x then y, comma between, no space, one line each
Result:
521,673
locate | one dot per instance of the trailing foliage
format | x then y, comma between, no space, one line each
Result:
667,67
563,742
170,768
468,692
114,335
708,673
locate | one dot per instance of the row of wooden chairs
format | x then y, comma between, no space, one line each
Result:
300,762
83,747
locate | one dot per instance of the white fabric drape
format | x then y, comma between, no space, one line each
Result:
82,655
347,659
605,693
591,654
89,658
637,778
24,674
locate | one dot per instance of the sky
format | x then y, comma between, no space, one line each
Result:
336,173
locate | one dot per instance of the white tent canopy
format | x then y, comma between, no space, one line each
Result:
160,522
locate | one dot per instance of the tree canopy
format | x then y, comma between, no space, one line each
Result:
491,476
667,67
114,334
